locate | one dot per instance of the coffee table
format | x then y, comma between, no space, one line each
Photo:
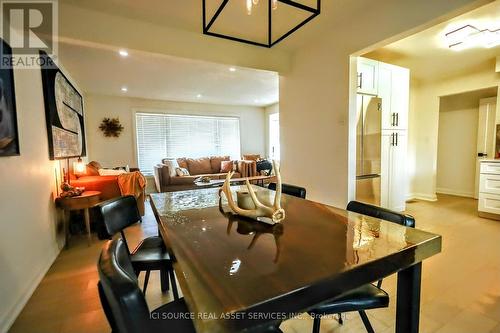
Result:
218,182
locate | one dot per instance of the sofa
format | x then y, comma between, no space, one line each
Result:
166,181
107,185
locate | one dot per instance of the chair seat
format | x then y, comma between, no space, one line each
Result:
150,253
363,298
172,317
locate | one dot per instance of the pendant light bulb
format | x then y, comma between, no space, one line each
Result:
249,7
275,4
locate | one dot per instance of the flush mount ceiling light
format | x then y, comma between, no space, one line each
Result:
257,22
469,36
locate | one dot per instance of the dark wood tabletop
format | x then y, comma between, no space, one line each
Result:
238,274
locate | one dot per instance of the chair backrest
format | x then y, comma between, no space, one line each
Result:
119,213
123,302
106,308
296,191
381,213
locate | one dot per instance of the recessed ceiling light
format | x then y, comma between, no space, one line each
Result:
123,53
199,96
124,89
232,69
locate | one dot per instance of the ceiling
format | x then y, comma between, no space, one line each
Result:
187,15
100,69
428,56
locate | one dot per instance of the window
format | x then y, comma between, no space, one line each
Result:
166,135
274,136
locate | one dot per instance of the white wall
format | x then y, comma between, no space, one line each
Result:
121,151
317,114
457,144
271,109
29,240
423,126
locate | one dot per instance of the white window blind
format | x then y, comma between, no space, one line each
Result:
165,135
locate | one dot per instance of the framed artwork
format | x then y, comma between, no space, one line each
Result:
9,138
63,112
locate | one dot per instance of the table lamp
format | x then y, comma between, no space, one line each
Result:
79,168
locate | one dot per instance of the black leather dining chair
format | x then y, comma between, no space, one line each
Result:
368,296
296,191
124,304
151,253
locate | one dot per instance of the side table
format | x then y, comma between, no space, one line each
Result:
86,200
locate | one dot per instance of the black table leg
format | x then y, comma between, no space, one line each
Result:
408,300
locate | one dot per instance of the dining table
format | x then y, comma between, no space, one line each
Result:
241,275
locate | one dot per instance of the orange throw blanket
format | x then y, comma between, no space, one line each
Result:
134,183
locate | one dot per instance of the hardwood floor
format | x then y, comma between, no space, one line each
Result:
460,286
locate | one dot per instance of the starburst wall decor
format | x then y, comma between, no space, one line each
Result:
111,127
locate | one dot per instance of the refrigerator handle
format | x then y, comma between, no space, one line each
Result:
397,139
392,139
397,118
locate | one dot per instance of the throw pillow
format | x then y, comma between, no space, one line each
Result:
181,172
182,162
251,157
171,163
111,172
226,166
93,168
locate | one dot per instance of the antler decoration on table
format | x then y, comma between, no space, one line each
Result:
274,212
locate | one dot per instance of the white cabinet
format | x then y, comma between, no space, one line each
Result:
367,76
489,203
392,84
393,170
489,168
489,188
394,89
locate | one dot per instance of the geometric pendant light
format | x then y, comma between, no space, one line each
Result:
262,23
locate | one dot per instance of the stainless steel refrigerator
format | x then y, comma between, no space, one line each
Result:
368,148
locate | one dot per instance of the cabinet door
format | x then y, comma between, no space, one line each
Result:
400,96
394,89
367,76
398,176
384,92
385,169
393,170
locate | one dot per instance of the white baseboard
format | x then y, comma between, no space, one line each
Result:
7,319
449,191
421,196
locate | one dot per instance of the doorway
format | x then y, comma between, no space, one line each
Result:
467,123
